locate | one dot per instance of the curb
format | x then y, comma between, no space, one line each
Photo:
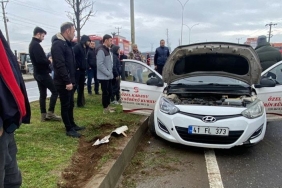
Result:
112,171
28,79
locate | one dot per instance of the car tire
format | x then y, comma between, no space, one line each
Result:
151,124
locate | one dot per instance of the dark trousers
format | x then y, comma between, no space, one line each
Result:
160,69
92,73
67,105
80,79
10,175
115,90
106,86
44,82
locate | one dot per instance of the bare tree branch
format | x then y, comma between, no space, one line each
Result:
82,11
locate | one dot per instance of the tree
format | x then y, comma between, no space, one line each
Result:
82,11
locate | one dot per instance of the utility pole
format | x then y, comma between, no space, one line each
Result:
132,21
114,34
182,6
118,28
269,33
167,37
152,46
5,20
238,40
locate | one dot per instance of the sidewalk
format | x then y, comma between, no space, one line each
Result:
28,77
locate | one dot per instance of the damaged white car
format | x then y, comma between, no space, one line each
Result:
206,97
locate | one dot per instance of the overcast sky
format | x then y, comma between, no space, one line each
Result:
218,20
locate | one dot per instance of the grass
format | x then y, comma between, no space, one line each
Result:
44,150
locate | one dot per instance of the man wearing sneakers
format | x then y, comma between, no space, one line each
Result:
42,75
105,71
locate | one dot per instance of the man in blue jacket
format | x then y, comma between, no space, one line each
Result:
161,56
14,110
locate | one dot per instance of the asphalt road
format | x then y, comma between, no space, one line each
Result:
33,92
259,166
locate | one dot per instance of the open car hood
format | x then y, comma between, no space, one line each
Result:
213,59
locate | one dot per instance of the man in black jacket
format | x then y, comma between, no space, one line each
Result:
81,50
41,67
64,77
92,70
115,98
14,110
161,56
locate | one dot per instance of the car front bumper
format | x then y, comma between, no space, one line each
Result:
174,128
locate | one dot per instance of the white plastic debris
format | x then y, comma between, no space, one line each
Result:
106,139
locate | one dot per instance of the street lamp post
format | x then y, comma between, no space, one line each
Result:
183,6
190,28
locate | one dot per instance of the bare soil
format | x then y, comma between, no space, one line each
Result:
88,159
161,164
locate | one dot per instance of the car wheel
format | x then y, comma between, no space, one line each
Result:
151,124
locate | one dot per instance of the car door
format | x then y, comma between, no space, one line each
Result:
136,96
272,96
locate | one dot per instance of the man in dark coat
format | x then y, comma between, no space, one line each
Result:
161,56
42,75
64,77
81,50
117,73
14,110
92,70
268,55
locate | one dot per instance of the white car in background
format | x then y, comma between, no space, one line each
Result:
207,96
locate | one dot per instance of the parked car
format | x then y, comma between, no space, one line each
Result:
211,95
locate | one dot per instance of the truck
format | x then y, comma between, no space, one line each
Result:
117,40
25,64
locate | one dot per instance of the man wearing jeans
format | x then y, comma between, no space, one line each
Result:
14,110
64,78
42,75
105,72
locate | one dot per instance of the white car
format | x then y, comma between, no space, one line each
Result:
211,95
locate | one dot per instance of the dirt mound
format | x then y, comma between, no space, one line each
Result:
88,159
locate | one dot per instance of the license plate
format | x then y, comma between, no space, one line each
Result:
220,131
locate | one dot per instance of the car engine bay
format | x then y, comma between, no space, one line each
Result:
207,99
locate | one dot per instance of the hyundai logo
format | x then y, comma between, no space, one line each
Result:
209,119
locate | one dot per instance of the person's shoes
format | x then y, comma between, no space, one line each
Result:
43,117
73,133
97,93
78,128
52,116
80,105
114,102
108,110
89,93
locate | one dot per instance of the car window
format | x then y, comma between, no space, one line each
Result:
275,73
135,72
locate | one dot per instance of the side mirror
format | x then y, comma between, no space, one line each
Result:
271,75
155,82
266,82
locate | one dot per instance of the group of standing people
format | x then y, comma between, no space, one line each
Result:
70,63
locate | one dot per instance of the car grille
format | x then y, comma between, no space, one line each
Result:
208,139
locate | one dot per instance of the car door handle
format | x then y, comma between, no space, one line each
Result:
125,90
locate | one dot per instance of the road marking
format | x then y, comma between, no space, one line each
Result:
215,180
32,88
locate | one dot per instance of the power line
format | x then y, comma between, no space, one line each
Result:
25,19
269,33
36,8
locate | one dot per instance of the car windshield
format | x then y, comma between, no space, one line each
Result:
216,80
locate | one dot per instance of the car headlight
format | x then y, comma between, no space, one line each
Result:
166,106
254,110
